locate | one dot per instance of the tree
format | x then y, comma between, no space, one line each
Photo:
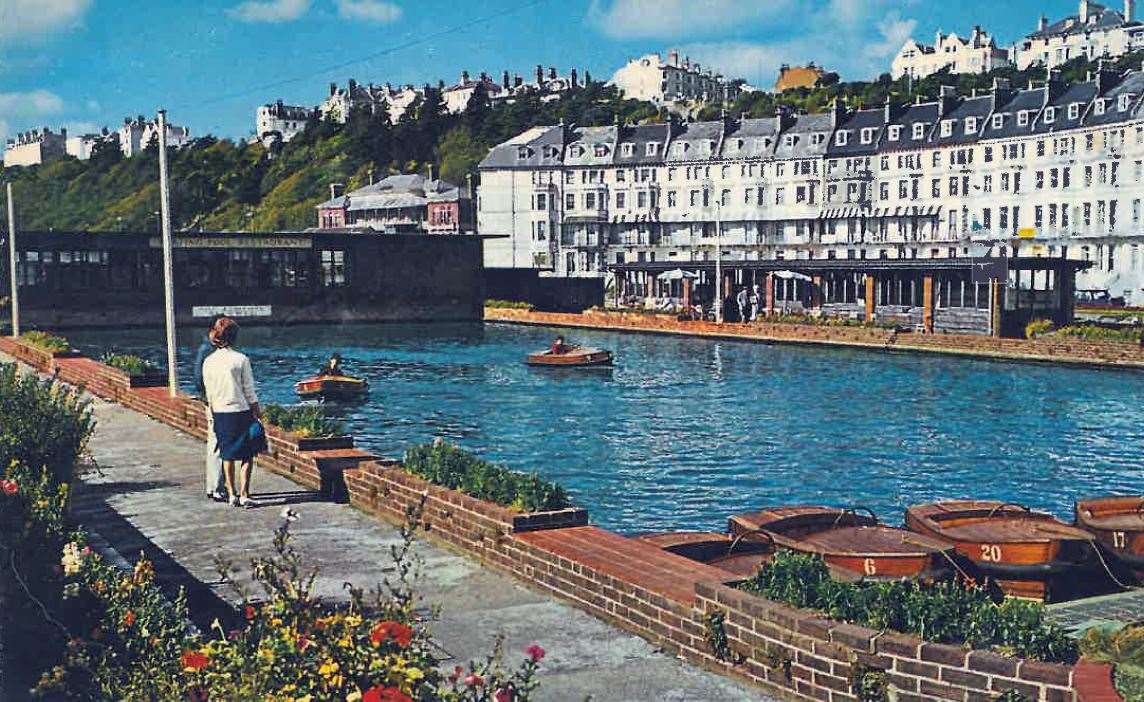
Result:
459,154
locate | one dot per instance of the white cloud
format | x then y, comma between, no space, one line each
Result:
28,107
272,11
369,10
28,19
644,19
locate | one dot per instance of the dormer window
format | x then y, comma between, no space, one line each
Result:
1123,101
895,132
841,138
600,150
652,148
551,152
970,125
789,140
1098,106
1074,110
947,127
711,146
868,135
1022,118
1050,115
918,131
627,149
998,121
523,152
817,139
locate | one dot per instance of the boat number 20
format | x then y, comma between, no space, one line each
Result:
990,552
1118,540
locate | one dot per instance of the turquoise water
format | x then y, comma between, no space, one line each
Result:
684,432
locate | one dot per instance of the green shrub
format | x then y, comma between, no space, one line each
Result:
509,305
307,422
1122,648
45,341
129,364
457,469
1037,327
1091,332
945,612
42,424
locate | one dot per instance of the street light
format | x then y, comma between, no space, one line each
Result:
709,187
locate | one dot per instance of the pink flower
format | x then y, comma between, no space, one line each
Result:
535,652
456,674
9,487
503,695
474,680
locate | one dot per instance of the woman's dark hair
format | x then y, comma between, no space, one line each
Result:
224,332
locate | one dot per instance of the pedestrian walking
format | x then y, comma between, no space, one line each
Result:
753,300
229,383
216,487
741,301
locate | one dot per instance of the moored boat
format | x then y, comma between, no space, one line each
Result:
736,556
1117,522
579,356
1029,554
332,387
854,545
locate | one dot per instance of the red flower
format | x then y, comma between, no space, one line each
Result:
535,652
395,631
385,694
193,660
10,487
456,674
248,612
128,619
503,695
474,680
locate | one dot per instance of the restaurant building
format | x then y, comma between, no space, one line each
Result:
104,279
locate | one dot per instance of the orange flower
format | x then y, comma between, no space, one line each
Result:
248,611
385,694
194,660
128,619
395,631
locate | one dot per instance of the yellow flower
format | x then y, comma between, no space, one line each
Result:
353,620
345,642
266,653
354,696
275,622
327,669
414,674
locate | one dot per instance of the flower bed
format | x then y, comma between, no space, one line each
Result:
133,371
306,428
508,305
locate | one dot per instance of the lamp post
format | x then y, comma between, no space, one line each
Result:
168,255
709,186
14,297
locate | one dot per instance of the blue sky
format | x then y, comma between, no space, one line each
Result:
87,63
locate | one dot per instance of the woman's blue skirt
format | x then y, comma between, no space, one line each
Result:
235,440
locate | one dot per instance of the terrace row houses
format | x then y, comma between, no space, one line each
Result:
1094,32
977,53
674,82
1054,171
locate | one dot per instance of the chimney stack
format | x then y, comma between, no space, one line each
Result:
429,169
333,89
470,188
1042,23
572,73
539,74
505,83
1129,10
552,72
464,77
336,190
1083,13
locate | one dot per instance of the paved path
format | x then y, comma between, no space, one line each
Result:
149,497
1120,608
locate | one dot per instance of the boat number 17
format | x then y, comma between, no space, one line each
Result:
990,552
1118,540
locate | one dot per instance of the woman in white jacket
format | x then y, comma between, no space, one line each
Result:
230,393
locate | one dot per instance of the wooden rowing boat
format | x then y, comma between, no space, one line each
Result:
1027,553
331,387
853,545
737,557
1117,522
577,357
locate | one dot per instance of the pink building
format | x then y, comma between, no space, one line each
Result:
400,204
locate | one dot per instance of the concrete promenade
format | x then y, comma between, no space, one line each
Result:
148,496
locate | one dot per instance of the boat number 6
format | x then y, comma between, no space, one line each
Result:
1118,540
990,552
870,567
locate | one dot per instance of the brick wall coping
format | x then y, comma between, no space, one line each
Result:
1042,350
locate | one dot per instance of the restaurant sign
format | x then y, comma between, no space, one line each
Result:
232,310
238,242
988,269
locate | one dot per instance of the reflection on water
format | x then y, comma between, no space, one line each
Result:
683,432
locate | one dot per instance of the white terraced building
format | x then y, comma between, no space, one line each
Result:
1094,32
1049,171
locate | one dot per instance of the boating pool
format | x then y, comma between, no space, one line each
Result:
684,432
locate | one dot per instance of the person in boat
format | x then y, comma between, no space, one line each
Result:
559,347
332,366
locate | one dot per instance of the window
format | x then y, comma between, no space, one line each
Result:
953,186
627,149
919,131
998,121
1098,106
1022,118
780,194
1038,214
1041,147
1074,110
1039,180
523,152
884,190
570,201
867,135
947,127
541,201
641,199
672,198
1122,102
816,139
589,201
620,177
333,268
841,137
988,154
935,188
652,149
986,218
936,159
895,132
541,230
621,201
600,150
1050,115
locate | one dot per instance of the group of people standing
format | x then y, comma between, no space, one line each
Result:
235,434
747,301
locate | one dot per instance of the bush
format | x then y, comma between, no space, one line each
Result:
945,612
457,469
46,342
1122,648
129,364
509,305
42,424
1037,327
1091,332
307,422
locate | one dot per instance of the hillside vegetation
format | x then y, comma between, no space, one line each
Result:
219,184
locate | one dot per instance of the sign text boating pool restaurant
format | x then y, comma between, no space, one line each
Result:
237,242
232,310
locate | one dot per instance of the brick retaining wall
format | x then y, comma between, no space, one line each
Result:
660,596
1046,349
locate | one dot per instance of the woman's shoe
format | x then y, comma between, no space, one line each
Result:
233,501
246,503
216,496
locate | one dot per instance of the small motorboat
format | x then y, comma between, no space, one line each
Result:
736,556
1117,523
577,357
1029,554
854,545
331,387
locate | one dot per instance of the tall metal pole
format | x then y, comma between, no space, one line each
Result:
14,297
168,267
718,259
